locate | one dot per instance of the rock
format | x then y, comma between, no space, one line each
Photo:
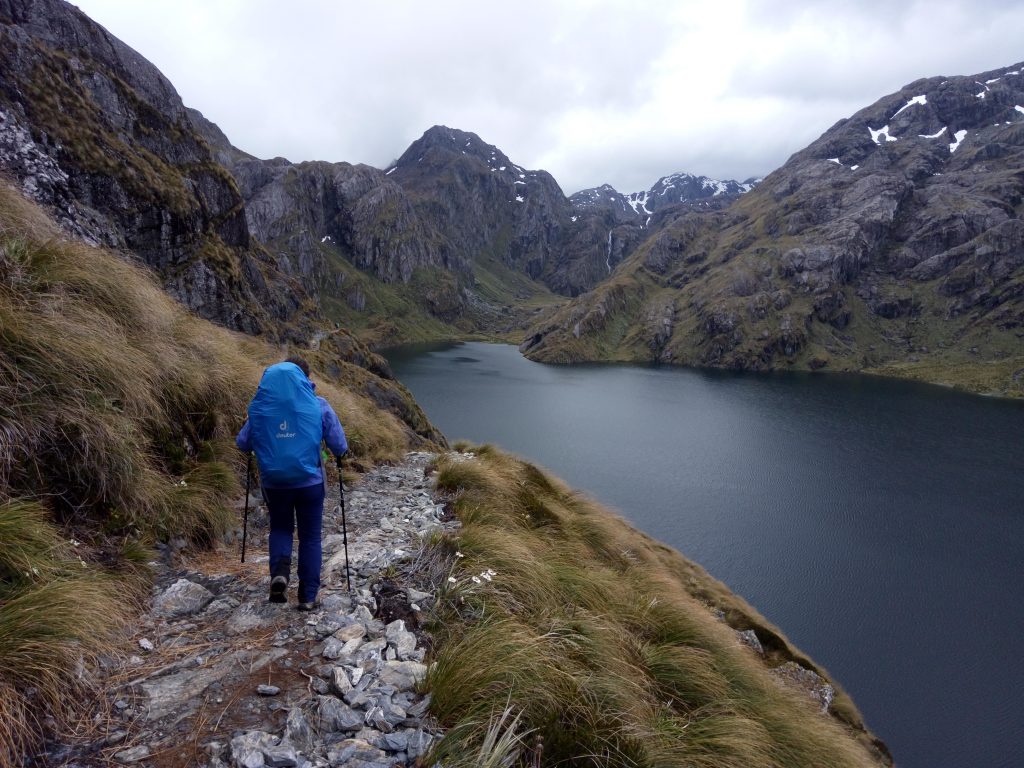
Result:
267,690
403,641
330,623
222,605
339,603
415,596
359,698
418,743
333,648
336,716
749,637
395,742
351,646
394,714
356,673
248,748
373,647
281,756
351,632
297,730
182,598
340,682
146,644
249,617
404,675
179,693
420,709
362,613
352,752
375,719
133,755
806,680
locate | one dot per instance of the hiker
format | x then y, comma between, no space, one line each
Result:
287,422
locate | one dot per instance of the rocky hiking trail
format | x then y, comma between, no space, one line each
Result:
219,676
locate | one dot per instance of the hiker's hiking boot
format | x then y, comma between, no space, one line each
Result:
312,606
278,588
279,580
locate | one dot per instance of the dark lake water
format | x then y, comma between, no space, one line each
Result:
879,523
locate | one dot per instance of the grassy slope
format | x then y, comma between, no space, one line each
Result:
117,413
605,643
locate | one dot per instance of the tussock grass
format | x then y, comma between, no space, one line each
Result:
49,603
118,411
606,643
115,403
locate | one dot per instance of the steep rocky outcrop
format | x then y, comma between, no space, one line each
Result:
894,239
95,132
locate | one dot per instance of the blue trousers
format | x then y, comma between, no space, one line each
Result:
301,509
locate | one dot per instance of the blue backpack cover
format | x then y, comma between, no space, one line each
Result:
286,426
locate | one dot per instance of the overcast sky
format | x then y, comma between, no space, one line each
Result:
594,92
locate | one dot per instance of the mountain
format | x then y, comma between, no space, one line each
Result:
95,132
620,222
453,239
676,189
893,243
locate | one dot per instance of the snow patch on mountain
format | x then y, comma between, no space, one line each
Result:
884,131
959,136
638,202
916,100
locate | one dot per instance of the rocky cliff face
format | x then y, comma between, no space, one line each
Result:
93,131
896,236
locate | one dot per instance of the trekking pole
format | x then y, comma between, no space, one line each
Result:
344,527
245,519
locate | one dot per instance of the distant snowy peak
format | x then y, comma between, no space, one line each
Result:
685,188
669,190
605,196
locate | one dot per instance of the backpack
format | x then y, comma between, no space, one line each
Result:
286,426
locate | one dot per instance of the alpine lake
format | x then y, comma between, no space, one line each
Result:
878,523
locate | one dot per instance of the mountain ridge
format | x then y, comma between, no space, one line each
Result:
891,244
